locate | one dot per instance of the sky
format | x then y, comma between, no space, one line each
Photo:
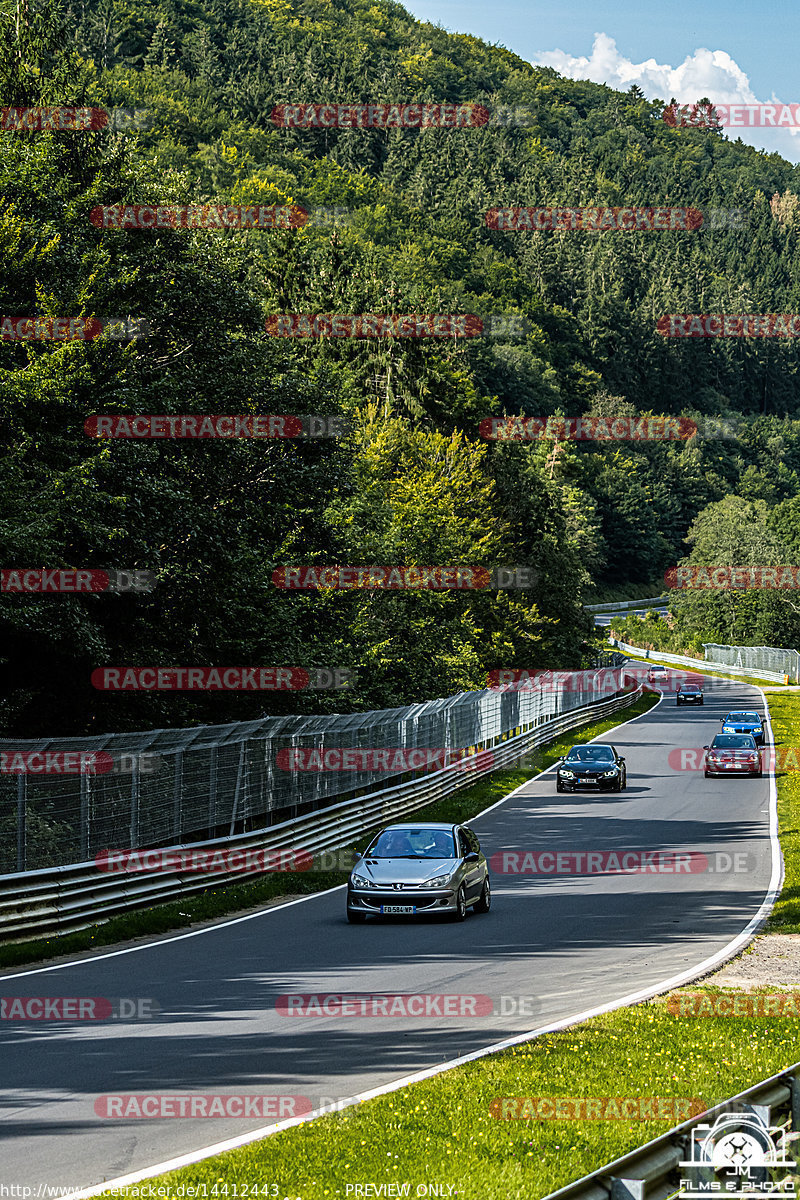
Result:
740,51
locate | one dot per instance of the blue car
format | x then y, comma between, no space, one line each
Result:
744,722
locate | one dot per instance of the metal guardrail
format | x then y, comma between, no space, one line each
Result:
57,899
623,605
698,663
651,1172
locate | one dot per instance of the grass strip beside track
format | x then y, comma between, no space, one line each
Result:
219,902
441,1130
784,709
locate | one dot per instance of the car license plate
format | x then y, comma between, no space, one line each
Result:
398,908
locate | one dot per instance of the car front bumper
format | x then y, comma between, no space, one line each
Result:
590,785
432,901
734,768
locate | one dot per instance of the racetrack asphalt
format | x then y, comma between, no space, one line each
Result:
566,943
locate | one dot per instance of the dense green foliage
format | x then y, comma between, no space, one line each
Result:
413,482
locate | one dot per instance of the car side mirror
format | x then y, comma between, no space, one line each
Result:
621,758
357,855
472,857
706,747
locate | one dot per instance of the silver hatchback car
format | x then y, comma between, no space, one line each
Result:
412,870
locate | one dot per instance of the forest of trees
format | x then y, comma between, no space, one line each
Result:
412,482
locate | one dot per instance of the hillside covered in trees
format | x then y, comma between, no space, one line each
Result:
412,482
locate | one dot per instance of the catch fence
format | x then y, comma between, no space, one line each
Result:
171,786
770,659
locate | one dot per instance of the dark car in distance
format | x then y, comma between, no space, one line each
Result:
594,766
733,754
689,693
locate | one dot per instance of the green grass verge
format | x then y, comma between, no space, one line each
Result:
214,903
784,712
442,1131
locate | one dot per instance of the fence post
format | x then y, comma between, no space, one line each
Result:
212,790
84,815
134,837
177,796
239,773
22,785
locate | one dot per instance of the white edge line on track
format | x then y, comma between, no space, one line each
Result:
727,952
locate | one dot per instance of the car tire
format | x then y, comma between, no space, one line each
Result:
484,901
559,786
623,783
707,774
461,905
355,917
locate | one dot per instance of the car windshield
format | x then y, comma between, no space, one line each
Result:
733,741
690,687
413,843
744,716
591,754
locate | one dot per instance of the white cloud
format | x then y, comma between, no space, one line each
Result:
711,73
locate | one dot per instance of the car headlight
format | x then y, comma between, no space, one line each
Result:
359,881
438,881
610,774
567,774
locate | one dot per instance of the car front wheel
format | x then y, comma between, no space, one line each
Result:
484,901
356,918
461,905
